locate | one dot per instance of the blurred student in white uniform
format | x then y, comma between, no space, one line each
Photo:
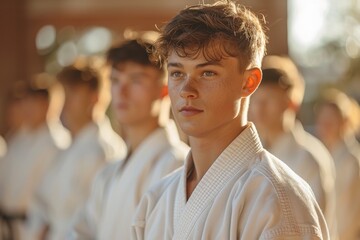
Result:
141,105
32,149
273,109
352,138
230,186
333,127
67,184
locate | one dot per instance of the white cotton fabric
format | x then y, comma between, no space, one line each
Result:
247,193
309,158
67,185
118,188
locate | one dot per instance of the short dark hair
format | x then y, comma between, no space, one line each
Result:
288,76
137,51
39,85
87,76
228,28
273,76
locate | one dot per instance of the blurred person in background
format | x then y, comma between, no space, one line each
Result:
353,136
67,184
273,109
14,115
334,128
37,137
141,105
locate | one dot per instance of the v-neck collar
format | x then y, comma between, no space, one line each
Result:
234,158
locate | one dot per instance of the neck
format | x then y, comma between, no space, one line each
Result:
270,136
75,129
136,133
205,150
331,143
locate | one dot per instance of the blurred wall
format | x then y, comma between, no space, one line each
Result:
22,19
12,48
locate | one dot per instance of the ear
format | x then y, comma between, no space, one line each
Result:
293,106
164,91
94,97
252,79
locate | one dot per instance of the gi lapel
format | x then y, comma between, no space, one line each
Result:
234,158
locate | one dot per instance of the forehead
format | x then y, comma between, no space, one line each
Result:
78,88
132,67
214,50
200,60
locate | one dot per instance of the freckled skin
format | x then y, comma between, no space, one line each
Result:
214,89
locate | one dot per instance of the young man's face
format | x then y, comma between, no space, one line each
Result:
329,123
35,109
205,96
267,107
78,105
135,91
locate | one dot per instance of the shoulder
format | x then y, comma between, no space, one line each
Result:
103,178
168,182
278,174
281,201
176,152
162,190
288,192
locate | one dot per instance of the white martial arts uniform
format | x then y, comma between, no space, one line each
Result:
347,191
118,188
247,194
67,184
310,159
29,155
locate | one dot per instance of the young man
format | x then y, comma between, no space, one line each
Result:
66,186
230,187
333,126
32,149
283,135
141,106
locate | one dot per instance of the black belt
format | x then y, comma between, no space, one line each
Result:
7,220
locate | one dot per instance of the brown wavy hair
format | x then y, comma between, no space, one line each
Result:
217,30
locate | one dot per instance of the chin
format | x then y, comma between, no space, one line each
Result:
192,131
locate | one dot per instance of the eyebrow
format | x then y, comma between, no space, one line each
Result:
200,65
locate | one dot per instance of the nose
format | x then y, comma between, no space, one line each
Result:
120,88
188,90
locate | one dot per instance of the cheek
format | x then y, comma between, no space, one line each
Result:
143,97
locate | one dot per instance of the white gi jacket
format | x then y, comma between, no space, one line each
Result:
67,185
246,194
29,155
310,159
118,188
348,192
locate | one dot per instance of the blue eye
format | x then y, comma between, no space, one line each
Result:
208,74
176,74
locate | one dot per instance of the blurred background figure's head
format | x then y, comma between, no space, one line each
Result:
336,117
42,101
275,103
14,115
137,84
82,90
